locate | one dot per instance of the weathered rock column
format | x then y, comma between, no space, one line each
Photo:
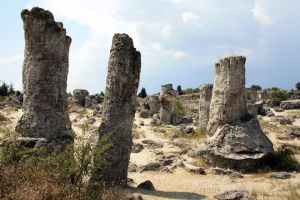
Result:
119,108
228,103
204,105
167,95
45,71
80,96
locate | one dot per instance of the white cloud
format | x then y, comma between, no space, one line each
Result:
188,17
11,59
167,30
260,14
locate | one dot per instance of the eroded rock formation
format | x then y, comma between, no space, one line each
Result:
80,96
204,105
45,71
237,140
119,108
228,103
166,97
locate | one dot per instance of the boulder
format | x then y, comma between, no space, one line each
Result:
290,104
80,96
147,185
235,195
243,146
278,175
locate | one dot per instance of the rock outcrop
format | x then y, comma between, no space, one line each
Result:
150,106
290,104
45,71
236,141
228,104
166,97
241,147
204,105
119,109
80,97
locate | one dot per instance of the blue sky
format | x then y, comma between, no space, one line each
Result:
180,40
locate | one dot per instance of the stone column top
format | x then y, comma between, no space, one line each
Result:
231,61
40,14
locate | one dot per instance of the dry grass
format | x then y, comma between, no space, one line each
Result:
270,127
137,134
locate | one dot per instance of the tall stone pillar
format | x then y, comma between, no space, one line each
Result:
204,105
119,108
228,104
167,95
45,72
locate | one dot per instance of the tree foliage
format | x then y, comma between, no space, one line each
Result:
143,93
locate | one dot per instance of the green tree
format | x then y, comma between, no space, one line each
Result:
11,89
102,93
255,87
298,86
143,93
4,89
179,90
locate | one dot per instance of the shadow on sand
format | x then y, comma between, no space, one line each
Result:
170,195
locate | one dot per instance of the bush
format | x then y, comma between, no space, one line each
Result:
143,93
255,87
191,90
179,109
279,94
284,159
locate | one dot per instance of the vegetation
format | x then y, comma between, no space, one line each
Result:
298,86
179,90
179,109
278,94
191,91
41,173
284,159
255,87
143,93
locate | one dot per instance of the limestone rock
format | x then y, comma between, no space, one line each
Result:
290,104
147,185
242,146
80,96
204,105
119,108
235,195
45,71
167,95
228,104
150,106
278,175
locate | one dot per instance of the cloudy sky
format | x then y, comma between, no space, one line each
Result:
180,40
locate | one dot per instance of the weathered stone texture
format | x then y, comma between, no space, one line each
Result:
119,109
228,103
204,105
166,97
80,96
45,71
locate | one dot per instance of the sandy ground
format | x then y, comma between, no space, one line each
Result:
182,184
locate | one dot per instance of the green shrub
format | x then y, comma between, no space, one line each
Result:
179,90
276,93
284,159
179,109
298,86
4,89
255,87
143,93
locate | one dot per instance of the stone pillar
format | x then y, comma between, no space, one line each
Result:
167,95
80,96
228,104
204,105
45,71
119,108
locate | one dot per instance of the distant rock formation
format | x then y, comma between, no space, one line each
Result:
119,108
45,72
80,96
228,103
166,97
204,105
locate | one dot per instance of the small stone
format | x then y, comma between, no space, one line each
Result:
278,175
147,185
235,195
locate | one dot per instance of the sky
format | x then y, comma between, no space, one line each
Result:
179,40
